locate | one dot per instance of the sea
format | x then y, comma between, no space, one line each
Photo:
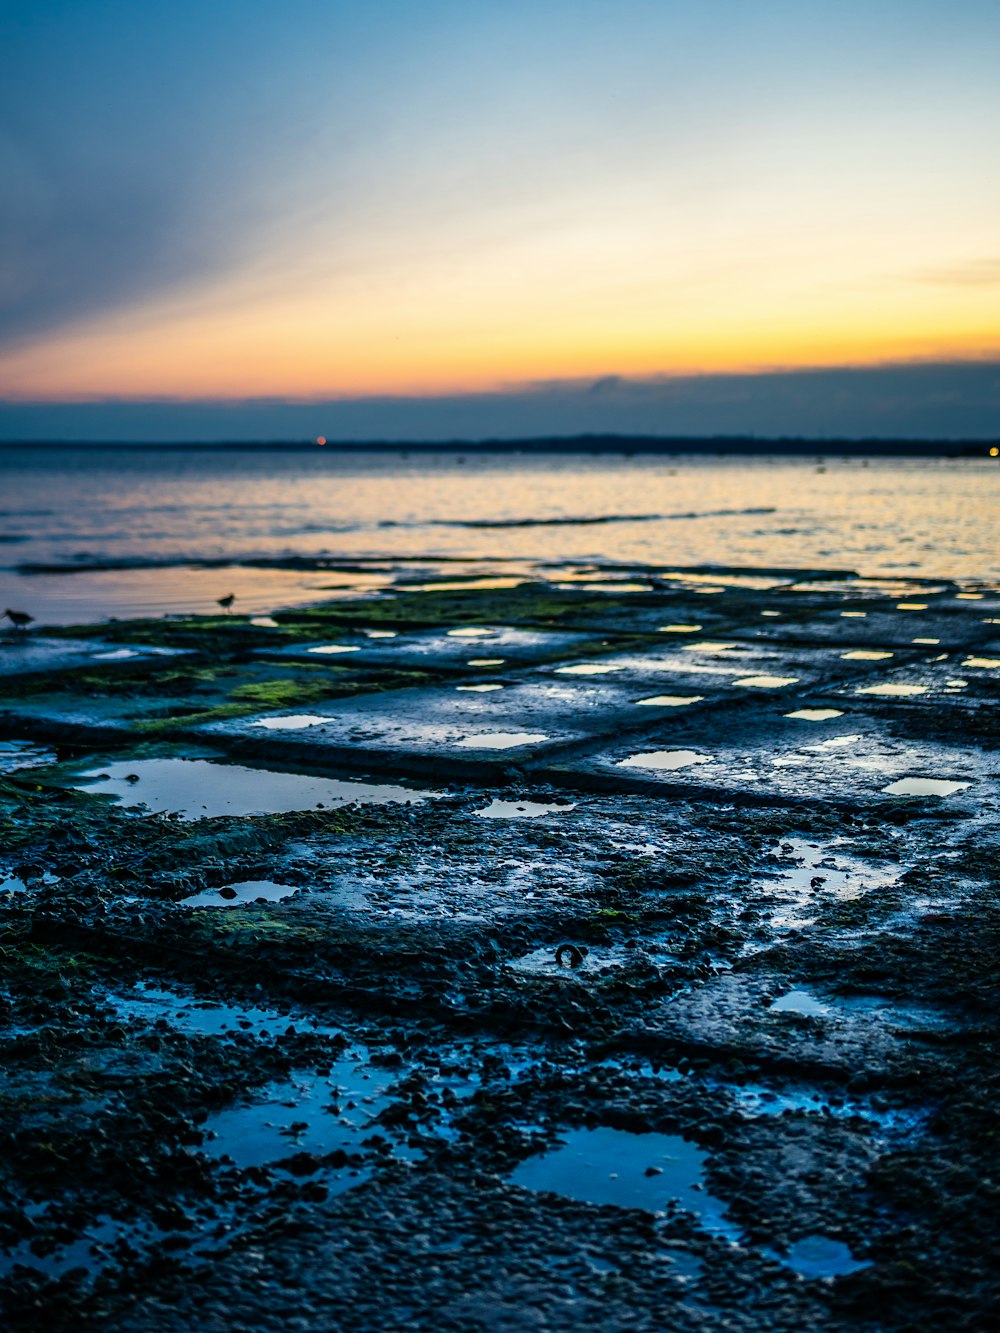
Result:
91,533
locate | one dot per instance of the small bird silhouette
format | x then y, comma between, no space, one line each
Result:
19,619
227,602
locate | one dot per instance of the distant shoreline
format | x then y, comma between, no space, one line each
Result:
624,445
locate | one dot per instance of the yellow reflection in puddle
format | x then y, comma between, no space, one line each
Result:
679,629
587,669
707,646
892,689
911,606
670,700
866,655
485,661
988,663
478,689
816,714
767,682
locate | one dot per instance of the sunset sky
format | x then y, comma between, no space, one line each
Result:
321,200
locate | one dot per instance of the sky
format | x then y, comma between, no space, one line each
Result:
368,209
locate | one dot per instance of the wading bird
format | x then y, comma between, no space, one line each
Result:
227,602
19,619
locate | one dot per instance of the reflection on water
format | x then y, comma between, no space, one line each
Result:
80,507
611,1166
202,789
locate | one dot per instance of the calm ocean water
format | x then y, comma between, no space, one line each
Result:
140,510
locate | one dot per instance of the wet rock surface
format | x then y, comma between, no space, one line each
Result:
552,1041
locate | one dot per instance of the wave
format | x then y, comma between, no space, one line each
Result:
595,518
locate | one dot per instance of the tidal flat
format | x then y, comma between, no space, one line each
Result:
320,1008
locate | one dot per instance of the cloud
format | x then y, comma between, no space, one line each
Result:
928,400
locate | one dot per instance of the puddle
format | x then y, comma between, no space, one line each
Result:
501,740
14,883
927,642
588,669
664,760
799,1002
523,809
766,682
15,755
478,689
834,743
985,663
206,1018
816,714
866,655
471,632
924,787
854,615
264,622
707,646
911,606
485,661
611,1166
679,629
308,1113
241,893
567,960
670,700
204,789
380,633
820,1257
331,649
822,874
897,690
293,722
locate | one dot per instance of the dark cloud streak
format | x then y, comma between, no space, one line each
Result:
940,400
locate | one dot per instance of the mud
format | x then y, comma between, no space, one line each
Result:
316,1013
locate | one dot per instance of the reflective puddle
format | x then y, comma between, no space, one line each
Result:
207,1018
471,632
485,661
766,682
501,740
820,1257
866,655
670,700
924,787
664,760
611,1166
293,722
332,649
588,669
478,689
816,714
799,1002
309,1113
892,690
204,789
523,809
238,895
